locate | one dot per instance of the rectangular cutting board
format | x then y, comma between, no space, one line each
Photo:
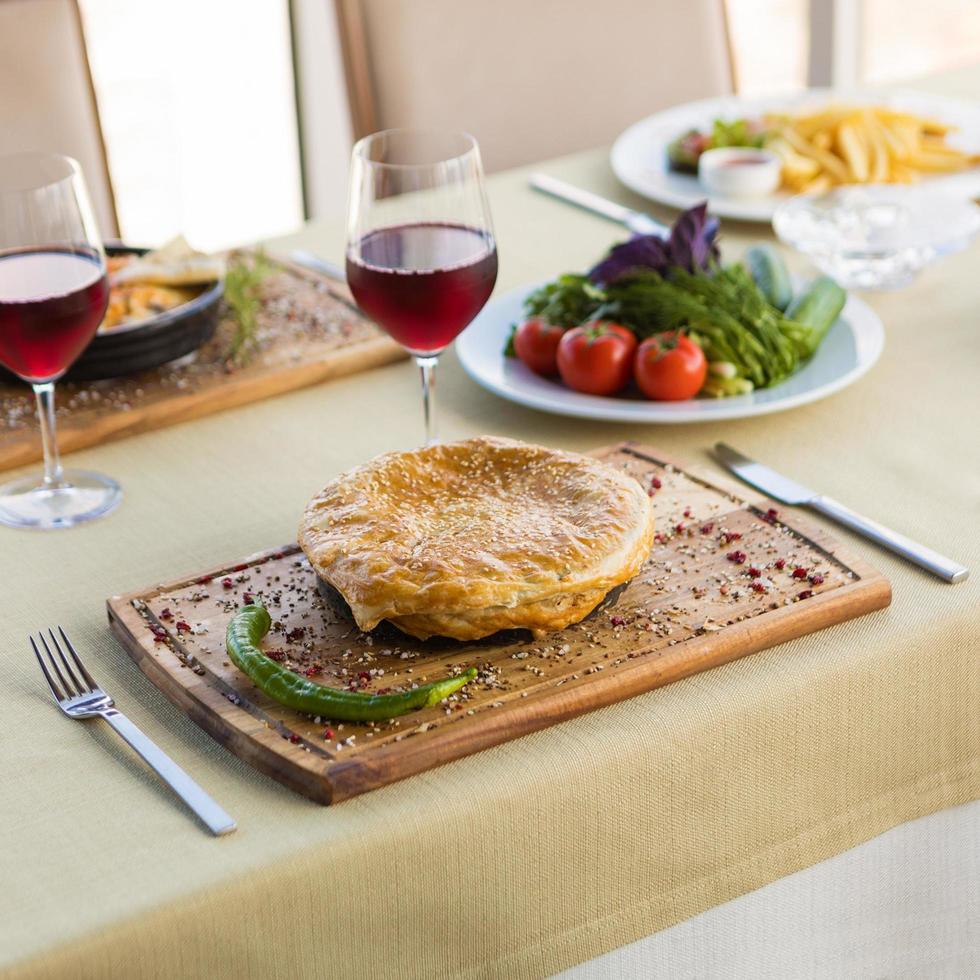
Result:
308,330
696,604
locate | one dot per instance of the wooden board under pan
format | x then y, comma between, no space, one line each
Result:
307,331
690,608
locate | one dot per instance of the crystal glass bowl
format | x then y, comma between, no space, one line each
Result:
876,236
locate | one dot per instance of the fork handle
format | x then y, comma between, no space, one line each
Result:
214,816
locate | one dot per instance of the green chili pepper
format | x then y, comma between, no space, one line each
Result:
245,632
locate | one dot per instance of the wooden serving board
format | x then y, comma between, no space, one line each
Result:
695,604
308,331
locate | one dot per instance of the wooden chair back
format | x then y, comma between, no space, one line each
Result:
47,101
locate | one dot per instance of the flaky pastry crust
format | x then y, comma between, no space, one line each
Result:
463,539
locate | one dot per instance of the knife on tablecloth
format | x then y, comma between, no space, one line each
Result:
637,222
790,492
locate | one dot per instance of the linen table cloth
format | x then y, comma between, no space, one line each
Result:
548,850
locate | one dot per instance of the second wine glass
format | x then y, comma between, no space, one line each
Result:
421,254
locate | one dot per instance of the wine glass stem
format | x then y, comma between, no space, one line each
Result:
53,474
427,368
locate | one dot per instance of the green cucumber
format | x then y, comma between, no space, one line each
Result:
770,274
817,307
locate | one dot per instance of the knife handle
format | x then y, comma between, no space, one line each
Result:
931,561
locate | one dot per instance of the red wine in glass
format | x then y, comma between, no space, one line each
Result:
51,304
423,282
53,295
421,255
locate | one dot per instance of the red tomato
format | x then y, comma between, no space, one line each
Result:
597,358
670,367
536,344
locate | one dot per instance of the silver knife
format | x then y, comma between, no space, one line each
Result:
637,222
790,492
312,261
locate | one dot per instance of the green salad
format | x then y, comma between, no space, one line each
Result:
744,317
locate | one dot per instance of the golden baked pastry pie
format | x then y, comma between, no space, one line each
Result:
467,538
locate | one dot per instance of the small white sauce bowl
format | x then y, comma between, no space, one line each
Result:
739,171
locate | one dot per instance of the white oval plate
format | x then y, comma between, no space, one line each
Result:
639,155
850,349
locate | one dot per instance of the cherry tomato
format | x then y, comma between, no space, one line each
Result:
670,367
536,344
597,358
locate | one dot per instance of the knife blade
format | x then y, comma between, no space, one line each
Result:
790,492
637,222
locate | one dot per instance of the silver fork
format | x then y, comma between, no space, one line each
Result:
88,700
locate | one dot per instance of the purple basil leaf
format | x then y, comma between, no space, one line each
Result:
692,246
692,239
641,252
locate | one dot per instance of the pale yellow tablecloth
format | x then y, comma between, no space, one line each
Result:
548,850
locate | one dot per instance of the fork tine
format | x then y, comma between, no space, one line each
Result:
69,690
81,688
78,663
58,696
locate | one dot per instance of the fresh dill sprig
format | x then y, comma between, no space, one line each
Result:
243,294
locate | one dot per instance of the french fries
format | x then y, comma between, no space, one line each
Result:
842,144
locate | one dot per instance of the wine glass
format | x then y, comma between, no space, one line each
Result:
421,256
53,295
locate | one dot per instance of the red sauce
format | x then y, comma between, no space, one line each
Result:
742,162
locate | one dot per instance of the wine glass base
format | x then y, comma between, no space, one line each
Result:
82,496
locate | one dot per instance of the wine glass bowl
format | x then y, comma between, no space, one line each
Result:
421,256
53,295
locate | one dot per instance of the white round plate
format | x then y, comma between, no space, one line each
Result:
851,347
639,155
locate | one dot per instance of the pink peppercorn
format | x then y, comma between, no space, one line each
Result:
166,614
183,627
617,621
707,528
799,572
328,733
805,594
227,583
816,579
755,572
295,739
247,598
738,557
679,528
780,563
758,587
655,483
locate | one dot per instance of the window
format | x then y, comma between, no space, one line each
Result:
198,113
